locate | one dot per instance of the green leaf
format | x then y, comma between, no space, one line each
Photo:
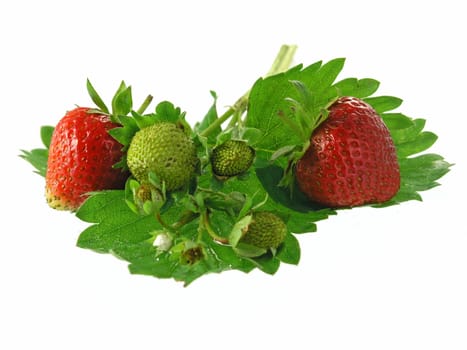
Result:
221,222
269,102
409,133
231,258
127,235
96,98
357,87
289,251
120,231
325,76
423,171
153,265
267,99
172,264
421,143
116,227
383,104
267,263
211,211
419,173
397,121
46,135
300,215
300,212
251,135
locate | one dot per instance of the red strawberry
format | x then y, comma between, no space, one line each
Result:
351,159
81,156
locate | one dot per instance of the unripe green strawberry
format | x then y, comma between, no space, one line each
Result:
266,230
166,150
232,158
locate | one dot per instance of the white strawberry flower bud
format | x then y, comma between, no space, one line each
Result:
163,242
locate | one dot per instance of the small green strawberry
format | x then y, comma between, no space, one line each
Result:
233,157
165,150
266,231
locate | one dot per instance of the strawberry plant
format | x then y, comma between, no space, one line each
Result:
235,190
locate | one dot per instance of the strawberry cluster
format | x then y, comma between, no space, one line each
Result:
209,197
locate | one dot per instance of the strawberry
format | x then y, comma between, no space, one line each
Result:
81,159
351,159
266,231
165,150
232,158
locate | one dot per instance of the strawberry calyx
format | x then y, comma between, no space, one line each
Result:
120,113
164,112
308,113
122,102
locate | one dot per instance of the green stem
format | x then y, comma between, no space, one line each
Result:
218,122
186,218
236,120
281,63
158,217
211,232
145,105
283,60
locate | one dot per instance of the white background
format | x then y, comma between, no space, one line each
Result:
392,278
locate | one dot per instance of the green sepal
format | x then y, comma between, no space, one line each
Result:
248,251
38,157
125,133
143,121
238,230
46,135
122,102
167,112
96,98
